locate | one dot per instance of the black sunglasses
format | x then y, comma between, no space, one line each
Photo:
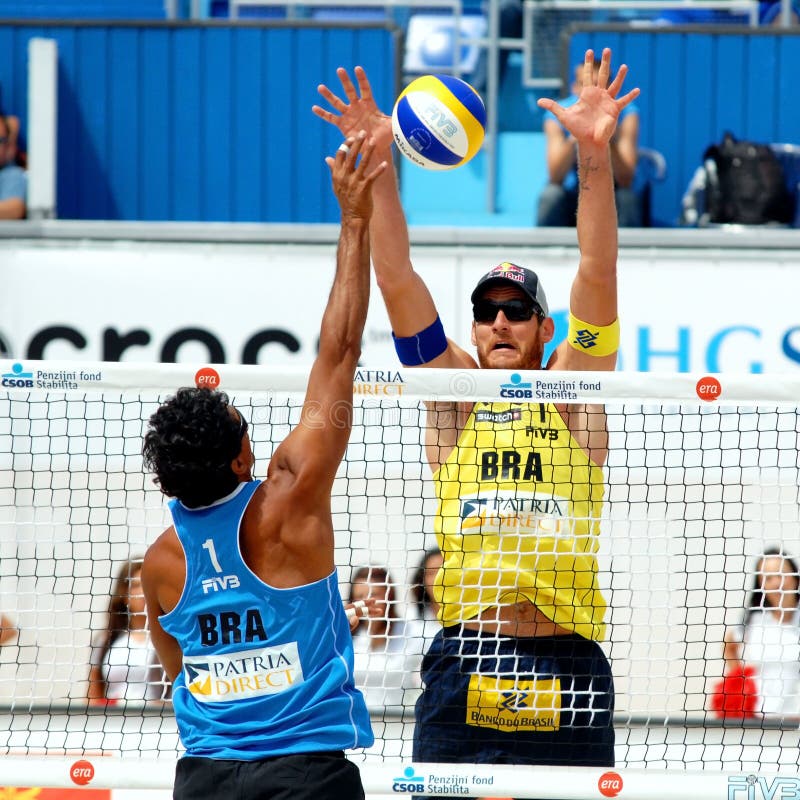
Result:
513,310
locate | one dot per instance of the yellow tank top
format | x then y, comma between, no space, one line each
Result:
518,518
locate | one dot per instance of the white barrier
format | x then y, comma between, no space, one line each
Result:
731,757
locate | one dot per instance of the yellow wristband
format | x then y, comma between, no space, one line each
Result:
594,340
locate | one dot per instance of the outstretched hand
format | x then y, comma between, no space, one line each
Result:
359,113
593,118
360,610
353,177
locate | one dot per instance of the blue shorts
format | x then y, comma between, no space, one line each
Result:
491,699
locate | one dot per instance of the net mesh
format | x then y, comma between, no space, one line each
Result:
695,492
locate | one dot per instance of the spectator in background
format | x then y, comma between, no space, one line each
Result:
769,637
387,659
427,624
558,203
124,662
13,180
8,631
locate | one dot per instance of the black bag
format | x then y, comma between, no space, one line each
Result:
745,184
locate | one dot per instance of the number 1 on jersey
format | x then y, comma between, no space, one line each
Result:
208,544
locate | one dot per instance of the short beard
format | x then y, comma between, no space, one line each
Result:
534,361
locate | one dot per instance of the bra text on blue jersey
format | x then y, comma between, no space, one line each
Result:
505,465
228,627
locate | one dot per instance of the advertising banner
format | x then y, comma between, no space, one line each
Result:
681,310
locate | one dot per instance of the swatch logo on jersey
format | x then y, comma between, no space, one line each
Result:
499,417
249,673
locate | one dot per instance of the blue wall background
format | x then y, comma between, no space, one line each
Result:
698,83
181,122
212,121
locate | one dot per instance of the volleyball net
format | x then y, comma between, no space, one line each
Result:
701,476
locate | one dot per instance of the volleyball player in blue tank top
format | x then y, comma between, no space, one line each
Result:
242,591
517,674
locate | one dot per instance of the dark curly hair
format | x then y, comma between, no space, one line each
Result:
189,445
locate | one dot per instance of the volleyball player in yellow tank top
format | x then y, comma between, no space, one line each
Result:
517,674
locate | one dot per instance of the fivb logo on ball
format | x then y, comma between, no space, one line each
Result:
439,122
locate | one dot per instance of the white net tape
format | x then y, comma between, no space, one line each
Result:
702,475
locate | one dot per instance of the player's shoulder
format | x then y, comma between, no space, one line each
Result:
161,552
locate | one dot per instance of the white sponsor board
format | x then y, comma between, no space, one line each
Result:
684,518
681,309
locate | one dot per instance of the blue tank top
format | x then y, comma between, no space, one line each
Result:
265,671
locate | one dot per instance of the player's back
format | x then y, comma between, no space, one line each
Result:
266,671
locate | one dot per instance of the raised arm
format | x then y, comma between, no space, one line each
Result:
314,449
592,121
408,301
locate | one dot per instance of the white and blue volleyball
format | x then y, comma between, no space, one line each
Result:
439,122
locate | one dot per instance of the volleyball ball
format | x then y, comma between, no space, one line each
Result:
439,122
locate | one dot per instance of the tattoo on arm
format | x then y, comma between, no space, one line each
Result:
585,168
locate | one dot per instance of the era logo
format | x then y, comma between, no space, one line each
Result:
207,378
610,784
81,772
709,388
220,584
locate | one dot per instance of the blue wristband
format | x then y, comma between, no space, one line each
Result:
423,346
